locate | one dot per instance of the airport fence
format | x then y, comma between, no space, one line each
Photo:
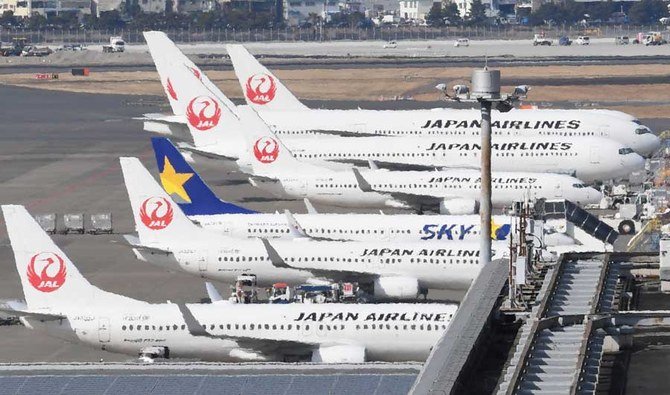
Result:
386,33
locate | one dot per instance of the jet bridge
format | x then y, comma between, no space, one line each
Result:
578,217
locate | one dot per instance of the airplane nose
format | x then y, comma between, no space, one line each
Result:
593,195
637,162
650,145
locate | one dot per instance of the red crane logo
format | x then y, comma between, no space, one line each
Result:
46,271
266,149
156,213
203,113
261,88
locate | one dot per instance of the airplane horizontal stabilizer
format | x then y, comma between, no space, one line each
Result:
32,314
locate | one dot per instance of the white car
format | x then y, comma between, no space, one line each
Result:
391,44
583,40
462,42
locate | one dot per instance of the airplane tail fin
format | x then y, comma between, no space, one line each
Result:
185,185
167,56
158,219
210,121
265,153
262,90
50,280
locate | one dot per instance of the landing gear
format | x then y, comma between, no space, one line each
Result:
149,354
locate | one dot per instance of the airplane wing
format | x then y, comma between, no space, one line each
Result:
420,202
383,164
259,344
309,206
343,133
298,232
329,274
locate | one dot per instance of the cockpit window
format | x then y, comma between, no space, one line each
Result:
642,130
579,185
625,151
637,121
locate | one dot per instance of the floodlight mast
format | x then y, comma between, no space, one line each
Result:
485,90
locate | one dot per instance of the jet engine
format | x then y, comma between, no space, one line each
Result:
459,206
396,288
339,354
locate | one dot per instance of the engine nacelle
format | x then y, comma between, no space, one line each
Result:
396,288
459,206
339,354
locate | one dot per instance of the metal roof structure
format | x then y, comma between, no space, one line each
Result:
294,384
559,349
451,354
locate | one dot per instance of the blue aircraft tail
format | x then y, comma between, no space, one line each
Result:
185,185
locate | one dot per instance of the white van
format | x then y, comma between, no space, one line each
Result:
462,42
583,40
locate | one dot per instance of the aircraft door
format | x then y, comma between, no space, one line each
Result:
558,190
103,330
595,155
386,235
227,229
302,188
202,263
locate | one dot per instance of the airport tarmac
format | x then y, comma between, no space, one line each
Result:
59,153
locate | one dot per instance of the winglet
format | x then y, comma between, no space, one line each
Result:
309,206
212,292
373,165
294,226
362,182
275,258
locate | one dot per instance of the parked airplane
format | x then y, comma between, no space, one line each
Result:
404,269
267,94
277,171
201,205
216,130
284,112
63,304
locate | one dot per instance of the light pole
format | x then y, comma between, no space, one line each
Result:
486,91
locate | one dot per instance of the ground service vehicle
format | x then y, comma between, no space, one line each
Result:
116,44
564,41
622,40
540,39
583,40
462,42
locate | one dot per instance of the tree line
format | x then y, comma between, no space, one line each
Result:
227,16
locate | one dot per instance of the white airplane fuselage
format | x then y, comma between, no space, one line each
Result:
354,227
433,265
129,328
587,158
342,189
466,123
